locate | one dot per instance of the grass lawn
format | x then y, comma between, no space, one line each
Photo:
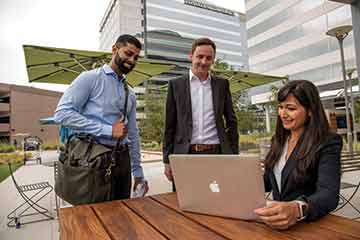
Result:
4,170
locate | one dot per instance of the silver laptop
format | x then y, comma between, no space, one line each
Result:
223,185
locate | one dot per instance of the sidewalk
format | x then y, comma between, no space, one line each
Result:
151,156
10,199
30,173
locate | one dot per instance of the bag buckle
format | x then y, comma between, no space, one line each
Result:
108,170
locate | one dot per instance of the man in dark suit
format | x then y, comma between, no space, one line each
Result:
197,105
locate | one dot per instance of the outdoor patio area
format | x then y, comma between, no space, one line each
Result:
47,230
33,172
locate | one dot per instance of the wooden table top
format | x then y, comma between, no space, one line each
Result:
158,217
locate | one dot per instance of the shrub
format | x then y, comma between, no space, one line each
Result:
50,146
152,146
253,141
7,148
15,157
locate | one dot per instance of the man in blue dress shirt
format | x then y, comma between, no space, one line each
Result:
94,104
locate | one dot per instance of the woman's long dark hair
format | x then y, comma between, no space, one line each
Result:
316,127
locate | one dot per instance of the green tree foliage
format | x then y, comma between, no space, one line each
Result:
221,65
357,111
152,127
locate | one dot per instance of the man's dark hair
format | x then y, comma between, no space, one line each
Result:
202,41
126,38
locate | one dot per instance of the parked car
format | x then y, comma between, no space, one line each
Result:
32,143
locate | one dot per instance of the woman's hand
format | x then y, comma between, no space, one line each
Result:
279,215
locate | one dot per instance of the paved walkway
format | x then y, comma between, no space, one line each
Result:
32,172
48,230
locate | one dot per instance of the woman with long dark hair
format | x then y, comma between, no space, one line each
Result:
302,168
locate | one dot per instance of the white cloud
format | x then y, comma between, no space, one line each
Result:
55,23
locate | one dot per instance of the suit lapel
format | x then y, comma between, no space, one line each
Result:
187,96
215,95
290,165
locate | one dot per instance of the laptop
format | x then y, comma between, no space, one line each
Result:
222,185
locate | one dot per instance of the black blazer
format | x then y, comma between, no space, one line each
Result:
321,185
178,120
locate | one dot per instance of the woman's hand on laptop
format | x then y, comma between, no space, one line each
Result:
168,172
279,215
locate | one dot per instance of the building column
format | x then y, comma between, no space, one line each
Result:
355,11
267,117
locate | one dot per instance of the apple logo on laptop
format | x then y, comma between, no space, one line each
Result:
214,187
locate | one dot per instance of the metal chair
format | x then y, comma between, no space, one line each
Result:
57,199
349,163
31,194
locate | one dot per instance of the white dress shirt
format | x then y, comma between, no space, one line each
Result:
203,115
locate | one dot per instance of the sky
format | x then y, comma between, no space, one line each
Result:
53,23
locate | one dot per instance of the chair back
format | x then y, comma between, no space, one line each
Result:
12,177
350,162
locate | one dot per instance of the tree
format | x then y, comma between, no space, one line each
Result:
219,64
152,126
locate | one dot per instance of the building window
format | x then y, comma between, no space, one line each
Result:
142,23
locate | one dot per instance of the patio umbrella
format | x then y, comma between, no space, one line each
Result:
47,121
60,65
64,132
240,80
21,134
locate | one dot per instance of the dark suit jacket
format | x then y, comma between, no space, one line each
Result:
178,121
321,184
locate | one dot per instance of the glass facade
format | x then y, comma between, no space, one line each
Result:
115,22
295,42
188,23
172,25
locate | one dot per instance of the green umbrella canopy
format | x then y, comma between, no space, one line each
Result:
243,80
60,65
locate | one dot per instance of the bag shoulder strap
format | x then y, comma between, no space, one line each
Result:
126,88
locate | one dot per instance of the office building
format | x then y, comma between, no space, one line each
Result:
167,28
289,38
21,108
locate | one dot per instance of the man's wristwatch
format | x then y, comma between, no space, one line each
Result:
302,210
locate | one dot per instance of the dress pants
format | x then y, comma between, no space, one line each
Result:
121,176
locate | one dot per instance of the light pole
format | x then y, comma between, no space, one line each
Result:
349,73
340,33
145,29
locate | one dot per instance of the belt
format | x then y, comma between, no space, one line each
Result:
203,147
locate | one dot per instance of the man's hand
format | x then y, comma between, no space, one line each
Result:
119,129
168,172
279,215
138,180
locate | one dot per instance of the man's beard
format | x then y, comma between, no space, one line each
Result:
120,63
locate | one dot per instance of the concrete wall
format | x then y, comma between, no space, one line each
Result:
27,106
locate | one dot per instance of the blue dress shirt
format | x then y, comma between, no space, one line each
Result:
93,102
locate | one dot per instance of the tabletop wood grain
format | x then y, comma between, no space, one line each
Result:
159,217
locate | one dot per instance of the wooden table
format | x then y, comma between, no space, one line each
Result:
158,217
